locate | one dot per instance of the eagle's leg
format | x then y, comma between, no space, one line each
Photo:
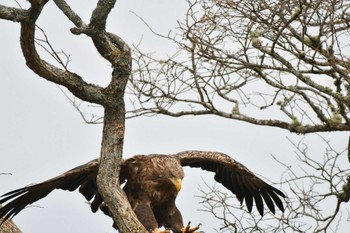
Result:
188,228
145,215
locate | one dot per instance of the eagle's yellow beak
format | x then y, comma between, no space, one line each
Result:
177,183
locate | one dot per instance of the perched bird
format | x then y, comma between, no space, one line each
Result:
152,184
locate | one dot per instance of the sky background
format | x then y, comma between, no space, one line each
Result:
42,135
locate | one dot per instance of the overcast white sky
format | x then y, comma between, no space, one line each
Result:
42,135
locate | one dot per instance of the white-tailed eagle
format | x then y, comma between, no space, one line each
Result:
152,184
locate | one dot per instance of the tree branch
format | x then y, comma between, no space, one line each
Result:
72,81
71,15
14,14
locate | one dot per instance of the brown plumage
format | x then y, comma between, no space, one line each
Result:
152,184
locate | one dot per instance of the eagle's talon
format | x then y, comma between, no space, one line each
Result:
188,228
157,230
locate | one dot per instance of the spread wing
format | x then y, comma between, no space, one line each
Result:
235,177
83,176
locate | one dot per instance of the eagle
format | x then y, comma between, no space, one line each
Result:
152,183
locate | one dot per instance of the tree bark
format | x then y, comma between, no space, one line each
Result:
9,227
108,182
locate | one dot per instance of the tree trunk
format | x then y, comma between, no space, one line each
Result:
107,180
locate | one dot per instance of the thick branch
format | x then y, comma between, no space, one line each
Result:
13,14
71,15
72,81
108,182
100,14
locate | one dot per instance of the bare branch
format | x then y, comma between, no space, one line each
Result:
250,60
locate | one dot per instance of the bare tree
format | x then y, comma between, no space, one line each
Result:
277,63
117,53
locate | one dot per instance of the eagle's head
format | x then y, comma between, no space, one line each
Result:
169,172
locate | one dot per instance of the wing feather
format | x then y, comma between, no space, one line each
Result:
268,201
83,176
258,202
235,177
